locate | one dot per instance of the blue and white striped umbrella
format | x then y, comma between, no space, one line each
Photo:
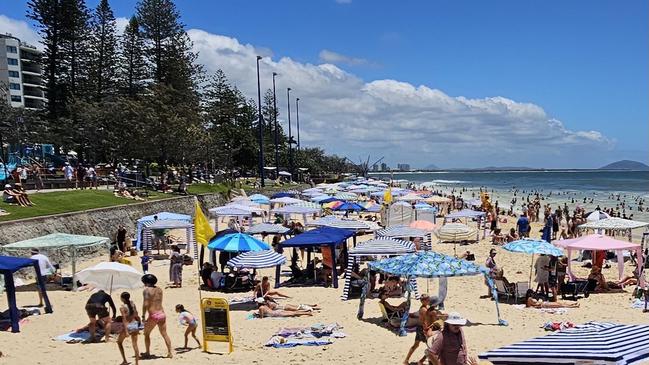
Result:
530,246
257,260
401,232
590,343
237,242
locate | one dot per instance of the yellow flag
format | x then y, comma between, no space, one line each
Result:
204,231
387,196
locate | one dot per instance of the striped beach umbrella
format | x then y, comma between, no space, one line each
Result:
401,232
590,343
237,242
346,196
257,260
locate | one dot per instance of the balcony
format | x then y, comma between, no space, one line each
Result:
34,103
31,68
33,92
33,81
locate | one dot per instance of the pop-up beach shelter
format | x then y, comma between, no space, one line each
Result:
169,224
614,224
426,264
323,236
58,246
149,219
598,242
8,266
378,247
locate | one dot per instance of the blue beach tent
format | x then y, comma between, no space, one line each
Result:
8,266
322,236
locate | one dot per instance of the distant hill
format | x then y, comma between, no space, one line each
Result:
626,165
431,167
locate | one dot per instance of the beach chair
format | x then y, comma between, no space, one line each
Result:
388,317
502,290
521,290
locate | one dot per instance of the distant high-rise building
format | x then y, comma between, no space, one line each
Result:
20,72
403,167
384,167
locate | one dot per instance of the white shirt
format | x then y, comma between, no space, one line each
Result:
68,171
44,264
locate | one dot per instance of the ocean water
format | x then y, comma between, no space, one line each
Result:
607,189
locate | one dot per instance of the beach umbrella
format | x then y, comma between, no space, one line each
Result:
329,199
260,199
312,190
257,260
532,246
596,215
423,206
425,225
320,198
436,199
427,264
331,221
332,204
346,196
306,204
237,242
401,232
614,223
282,194
349,206
590,343
267,228
110,275
454,232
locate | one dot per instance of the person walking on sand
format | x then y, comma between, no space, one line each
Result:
157,317
420,335
131,327
187,319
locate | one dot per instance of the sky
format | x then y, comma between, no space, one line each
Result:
555,84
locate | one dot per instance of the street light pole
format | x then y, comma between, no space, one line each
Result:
276,129
261,129
290,136
297,112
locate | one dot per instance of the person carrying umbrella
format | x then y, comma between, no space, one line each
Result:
96,309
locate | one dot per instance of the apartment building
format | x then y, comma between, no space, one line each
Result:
21,74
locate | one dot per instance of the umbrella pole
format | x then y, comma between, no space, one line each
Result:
529,283
111,285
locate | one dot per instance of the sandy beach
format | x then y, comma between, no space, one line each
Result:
367,340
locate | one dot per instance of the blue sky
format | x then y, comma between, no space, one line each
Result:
583,62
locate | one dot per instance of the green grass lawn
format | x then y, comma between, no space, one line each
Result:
68,201
206,188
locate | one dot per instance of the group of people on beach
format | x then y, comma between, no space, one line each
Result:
129,323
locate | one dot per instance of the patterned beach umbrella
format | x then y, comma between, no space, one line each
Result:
257,260
427,264
530,246
590,343
237,242
346,196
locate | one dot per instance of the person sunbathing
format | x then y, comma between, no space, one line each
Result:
266,311
597,282
289,307
263,290
629,280
115,327
389,308
393,287
538,303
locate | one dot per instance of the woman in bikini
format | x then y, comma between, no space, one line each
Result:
538,303
157,317
263,289
131,327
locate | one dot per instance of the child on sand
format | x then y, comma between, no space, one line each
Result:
187,319
146,259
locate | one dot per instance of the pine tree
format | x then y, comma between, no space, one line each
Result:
168,48
75,47
104,57
48,18
132,63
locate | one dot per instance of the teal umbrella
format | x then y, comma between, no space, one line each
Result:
531,246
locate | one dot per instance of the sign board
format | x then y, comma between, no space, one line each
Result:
215,313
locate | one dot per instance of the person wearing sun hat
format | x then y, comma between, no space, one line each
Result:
449,346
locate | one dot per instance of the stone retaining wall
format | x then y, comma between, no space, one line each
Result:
101,221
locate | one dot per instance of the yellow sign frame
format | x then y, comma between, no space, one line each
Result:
218,304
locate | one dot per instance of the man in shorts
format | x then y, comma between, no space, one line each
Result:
96,309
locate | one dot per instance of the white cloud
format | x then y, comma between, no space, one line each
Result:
328,56
20,29
405,123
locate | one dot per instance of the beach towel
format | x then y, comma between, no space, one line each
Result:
316,335
544,310
557,326
77,337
